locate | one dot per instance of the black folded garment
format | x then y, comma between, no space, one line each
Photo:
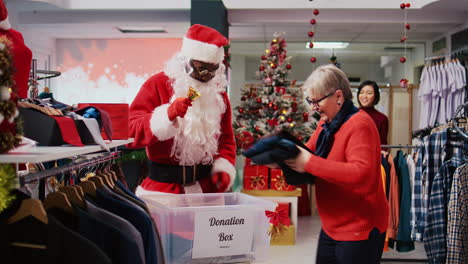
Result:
277,148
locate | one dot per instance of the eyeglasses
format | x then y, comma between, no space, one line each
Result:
316,102
204,71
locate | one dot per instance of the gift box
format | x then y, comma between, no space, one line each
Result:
278,181
256,177
284,237
119,117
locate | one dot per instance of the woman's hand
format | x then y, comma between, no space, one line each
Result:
298,164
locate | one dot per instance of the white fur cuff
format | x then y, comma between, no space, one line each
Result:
160,124
223,165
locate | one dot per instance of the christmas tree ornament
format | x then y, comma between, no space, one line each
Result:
404,83
316,12
402,5
403,39
313,59
261,68
259,100
408,5
288,66
282,118
270,105
274,66
313,21
402,59
241,110
290,120
310,34
407,26
264,57
275,107
311,44
243,98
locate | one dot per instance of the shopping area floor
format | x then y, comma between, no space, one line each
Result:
306,246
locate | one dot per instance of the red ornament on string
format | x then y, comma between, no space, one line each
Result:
311,44
243,98
241,110
313,21
407,26
305,117
316,12
310,33
402,6
275,107
261,68
404,83
264,57
274,66
408,5
403,39
403,59
270,105
313,59
290,120
259,100
288,66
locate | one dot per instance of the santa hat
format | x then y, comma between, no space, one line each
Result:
204,44
4,23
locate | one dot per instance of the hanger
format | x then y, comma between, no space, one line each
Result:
79,189
58,200
97,181
89,188
29,207
73,196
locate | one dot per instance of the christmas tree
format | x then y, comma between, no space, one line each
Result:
276,105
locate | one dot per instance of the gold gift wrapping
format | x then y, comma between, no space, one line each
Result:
285,237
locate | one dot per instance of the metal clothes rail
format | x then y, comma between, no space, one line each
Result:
30,177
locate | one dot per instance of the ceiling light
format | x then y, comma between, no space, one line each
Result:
328,45
141,29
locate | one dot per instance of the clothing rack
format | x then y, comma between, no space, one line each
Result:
33,78
101,158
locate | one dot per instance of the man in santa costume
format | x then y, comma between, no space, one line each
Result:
190,142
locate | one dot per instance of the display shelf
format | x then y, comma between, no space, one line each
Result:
44,153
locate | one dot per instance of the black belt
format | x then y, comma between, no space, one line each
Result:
185,175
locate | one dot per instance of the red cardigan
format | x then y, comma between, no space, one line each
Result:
349,188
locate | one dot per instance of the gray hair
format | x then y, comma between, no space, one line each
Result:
327,79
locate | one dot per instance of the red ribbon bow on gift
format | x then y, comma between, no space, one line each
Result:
280,216
257,182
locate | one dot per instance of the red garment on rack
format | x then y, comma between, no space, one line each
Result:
68,129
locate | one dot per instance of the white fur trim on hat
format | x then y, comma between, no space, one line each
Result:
197,50
5,24
223,165
160,124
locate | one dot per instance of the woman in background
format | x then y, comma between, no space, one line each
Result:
368,96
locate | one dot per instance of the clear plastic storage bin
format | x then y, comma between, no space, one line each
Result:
211,227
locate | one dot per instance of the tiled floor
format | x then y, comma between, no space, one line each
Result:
306,245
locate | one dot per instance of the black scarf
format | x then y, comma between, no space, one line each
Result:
327,135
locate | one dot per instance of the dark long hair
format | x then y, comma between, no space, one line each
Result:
376,91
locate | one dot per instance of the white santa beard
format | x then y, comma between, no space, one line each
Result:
198,132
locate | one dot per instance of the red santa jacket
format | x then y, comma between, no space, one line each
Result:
150,105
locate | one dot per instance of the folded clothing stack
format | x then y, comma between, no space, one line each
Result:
277,148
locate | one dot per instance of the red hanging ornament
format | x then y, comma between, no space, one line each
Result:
311,44
404,83
313,21
408,5
261,68
241,110
264,57
288,66
316,12
310,33
305,114
243,98
403,39
289,120
294,104
313,59
407,26
402,6
274,66
275,107
270,105
259,100
403,59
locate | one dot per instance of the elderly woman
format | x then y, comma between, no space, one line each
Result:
350,197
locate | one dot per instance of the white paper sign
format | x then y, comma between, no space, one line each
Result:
223,233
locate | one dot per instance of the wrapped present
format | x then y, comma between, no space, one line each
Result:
285,238
281,230
278,181
255,177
